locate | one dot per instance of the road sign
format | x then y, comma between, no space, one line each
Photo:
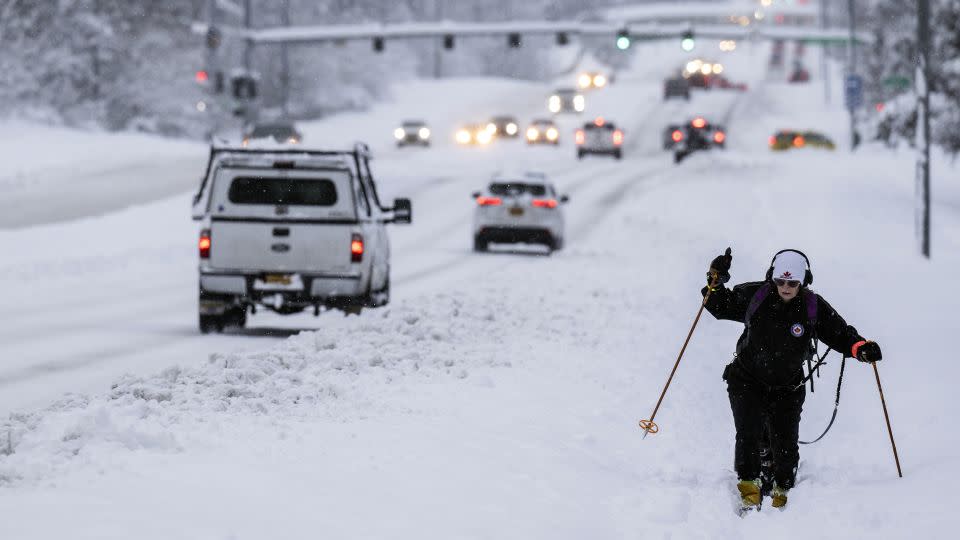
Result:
853,87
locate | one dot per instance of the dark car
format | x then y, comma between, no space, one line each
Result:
676,87
696,135
504,126
280,132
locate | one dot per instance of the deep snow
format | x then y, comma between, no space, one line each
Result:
498,395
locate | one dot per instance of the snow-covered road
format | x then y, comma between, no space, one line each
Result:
498,395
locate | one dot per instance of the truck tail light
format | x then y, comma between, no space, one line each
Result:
618,137
719,137
677,135
204,244
581,137
698,122
489,201
356,248
545,203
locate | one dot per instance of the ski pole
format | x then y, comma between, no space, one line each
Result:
887,417
649,426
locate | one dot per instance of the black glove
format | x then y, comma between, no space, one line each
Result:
869,352
720,265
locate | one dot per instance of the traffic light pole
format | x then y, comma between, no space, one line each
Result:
824,67
923,126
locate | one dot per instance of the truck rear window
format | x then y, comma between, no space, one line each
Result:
285,191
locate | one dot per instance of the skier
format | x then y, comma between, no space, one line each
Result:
764,380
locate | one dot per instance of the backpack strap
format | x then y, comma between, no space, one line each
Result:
755,302
810,299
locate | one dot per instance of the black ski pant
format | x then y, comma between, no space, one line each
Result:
759,412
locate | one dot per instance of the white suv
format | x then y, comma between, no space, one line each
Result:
287,230
519,208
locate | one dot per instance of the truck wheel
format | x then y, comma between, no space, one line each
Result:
579,154
211,323
618,153
380,298
479,244
235,318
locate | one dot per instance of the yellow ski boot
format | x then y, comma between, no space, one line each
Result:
749,494
778,496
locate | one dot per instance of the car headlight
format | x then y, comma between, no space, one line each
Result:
293,140
398,133
599,81
492,128
511,129
554,104
532,134
578,103
583,80
484,137
424,133
463,136
552,134
246,141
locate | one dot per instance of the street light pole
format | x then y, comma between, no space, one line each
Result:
824,68
923,126
852,53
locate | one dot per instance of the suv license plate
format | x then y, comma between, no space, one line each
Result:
516,211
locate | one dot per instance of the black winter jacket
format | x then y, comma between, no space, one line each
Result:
770,349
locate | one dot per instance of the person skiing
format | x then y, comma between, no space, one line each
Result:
783,318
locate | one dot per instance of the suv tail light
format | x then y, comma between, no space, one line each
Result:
581,137
719,137
204,244
545,203
356,248
489,201
618,137
677,135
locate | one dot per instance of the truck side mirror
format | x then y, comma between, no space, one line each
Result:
402,211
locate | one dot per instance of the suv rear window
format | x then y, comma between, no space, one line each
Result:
285,191
518,188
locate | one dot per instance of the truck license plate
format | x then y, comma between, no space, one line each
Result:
277,279
516,211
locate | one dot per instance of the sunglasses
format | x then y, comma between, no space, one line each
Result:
792,283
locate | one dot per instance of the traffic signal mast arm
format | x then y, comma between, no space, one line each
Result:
635,31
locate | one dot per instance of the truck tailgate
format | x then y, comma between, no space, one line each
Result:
277,246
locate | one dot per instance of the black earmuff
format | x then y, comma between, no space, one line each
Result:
807,276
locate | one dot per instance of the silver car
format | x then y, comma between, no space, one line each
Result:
524,208
599,137
565,100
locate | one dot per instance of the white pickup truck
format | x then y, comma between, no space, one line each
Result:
289,229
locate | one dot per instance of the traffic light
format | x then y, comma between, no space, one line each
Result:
687,43
448,41
623,39
513,40
378,44
562,38
202,76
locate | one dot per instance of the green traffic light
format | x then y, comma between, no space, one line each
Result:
687,44
623,43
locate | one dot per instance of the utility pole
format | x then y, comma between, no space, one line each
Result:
923,126
285,63
824,68
852,54
247,42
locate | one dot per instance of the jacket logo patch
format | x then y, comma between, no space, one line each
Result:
797,330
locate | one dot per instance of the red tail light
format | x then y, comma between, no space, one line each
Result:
772,140
356,248
580,136
798,141
545,203
599,121
202,76
618,137
677,135
205,244
698,122
489,201
719,137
